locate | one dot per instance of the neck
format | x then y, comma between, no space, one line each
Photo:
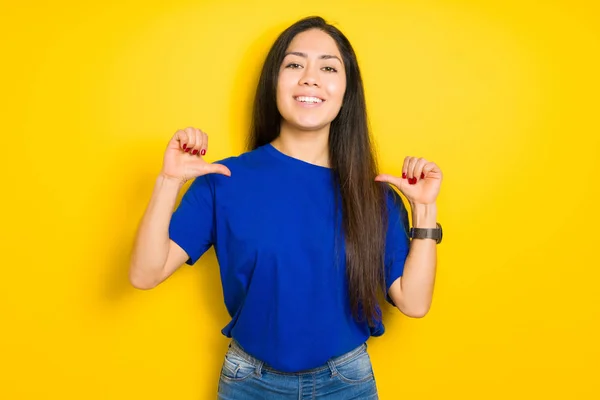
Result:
309,146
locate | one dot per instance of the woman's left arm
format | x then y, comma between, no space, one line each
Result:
412,293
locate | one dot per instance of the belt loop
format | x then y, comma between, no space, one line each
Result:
259,366
332,368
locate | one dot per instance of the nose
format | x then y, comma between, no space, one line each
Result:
309,78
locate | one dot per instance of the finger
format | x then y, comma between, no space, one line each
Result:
181,138
418,171
405,167
218,169
410,172
199,141
389,179
432,169
204,148
191,135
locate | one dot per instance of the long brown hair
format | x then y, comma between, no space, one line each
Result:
353,165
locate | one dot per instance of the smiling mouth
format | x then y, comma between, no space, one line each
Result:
308,100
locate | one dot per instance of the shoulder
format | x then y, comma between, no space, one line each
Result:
245,161
245,167
395,206
393,199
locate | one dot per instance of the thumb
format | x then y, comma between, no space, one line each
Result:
217,169
389,179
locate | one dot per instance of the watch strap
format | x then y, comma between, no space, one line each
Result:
427,233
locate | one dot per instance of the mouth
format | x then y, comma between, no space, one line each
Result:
309,100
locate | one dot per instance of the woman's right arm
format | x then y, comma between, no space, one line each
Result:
155,256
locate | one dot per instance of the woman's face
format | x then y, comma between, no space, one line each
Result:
312,81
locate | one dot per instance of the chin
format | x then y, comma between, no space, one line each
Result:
310,125
308,122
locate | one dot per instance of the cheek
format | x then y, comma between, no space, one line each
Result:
283,88
280,96
336,90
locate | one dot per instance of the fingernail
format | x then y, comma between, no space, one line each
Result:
404,175
422,175
194,152
184,146
188,149
412,181
203,152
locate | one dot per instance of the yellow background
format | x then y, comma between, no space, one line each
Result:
502,95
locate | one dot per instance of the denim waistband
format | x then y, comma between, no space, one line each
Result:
236,348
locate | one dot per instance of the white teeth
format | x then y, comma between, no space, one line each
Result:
305,99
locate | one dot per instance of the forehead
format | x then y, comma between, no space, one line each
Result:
314,42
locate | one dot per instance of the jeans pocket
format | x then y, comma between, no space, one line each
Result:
357,370
236,368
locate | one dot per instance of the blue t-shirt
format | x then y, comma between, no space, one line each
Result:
273,226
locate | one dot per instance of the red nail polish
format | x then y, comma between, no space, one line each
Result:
422,175
404,175
412,181
184,146
194,152
188,149
203,152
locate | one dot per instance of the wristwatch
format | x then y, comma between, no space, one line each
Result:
427,233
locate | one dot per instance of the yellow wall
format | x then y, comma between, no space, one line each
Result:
503,95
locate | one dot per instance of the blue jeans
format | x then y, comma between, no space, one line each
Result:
349,376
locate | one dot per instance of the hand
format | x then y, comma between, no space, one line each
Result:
420,182
183,158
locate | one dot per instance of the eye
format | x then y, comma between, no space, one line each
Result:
293,66
330,69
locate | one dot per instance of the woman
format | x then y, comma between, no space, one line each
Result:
305,231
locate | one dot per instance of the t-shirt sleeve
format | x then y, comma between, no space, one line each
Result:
397,241
192,223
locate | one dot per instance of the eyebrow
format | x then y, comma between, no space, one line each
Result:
322,57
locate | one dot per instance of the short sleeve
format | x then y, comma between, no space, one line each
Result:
192,223
397,242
